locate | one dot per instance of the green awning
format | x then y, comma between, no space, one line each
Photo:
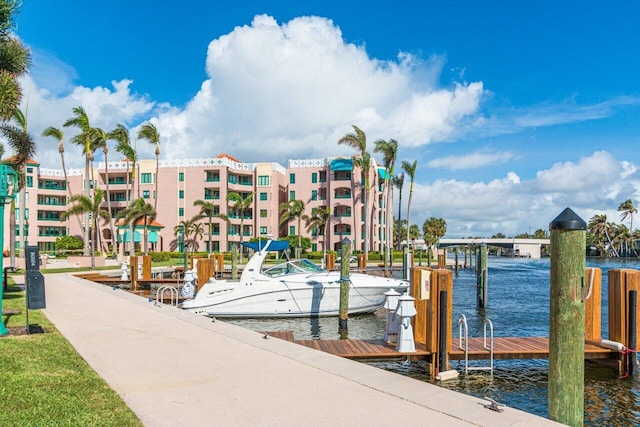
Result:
342,164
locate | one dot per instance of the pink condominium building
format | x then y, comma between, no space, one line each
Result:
334,183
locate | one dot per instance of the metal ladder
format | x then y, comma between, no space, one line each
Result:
173,293
463,336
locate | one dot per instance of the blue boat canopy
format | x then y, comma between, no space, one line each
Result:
342,164
276,245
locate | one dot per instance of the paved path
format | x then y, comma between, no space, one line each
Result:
174,368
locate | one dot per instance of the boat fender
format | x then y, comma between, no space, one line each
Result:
447,375
613,345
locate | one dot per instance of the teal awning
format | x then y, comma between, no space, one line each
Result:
153,237
342,164
383,173
136,236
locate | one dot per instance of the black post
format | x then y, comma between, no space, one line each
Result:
442,353
633,357
5,278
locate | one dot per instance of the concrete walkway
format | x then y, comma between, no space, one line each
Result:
174,368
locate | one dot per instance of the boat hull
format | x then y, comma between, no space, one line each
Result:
311,297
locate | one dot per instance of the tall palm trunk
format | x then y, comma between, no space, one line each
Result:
155,198
399,219
86,192
106,173
365,200
389,218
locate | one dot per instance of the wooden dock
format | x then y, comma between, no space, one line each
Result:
503,348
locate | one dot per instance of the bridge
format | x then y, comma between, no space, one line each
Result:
529,248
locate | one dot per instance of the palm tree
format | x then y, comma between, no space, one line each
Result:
389,150
24,148
628,210
137,211
101,139
239,206
84,139
57,134
183,227
197,231
398,182
434,229
149,132
599,227
209,210
319,220
293,209
14,63
123,146
358,140
410,169
85,205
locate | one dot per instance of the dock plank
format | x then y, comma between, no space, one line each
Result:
503,348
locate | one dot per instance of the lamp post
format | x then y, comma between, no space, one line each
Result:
8,187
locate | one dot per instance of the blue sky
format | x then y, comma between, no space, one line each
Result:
513,110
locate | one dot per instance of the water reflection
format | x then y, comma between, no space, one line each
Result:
518,305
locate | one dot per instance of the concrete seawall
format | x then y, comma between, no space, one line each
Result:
176,368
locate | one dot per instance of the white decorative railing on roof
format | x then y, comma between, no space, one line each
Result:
123,164
57,173
308,163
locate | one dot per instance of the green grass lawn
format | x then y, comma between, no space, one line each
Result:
44,382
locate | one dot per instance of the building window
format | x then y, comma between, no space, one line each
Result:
180,176
292,195
314,194
26,213
29,181
181,194
292,230
145,194
29,170
145,178
314,177
263,196
314,247
263,213
263,230
292,178
180,211
212,176
263,180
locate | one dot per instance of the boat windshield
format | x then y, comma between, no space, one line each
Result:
299,266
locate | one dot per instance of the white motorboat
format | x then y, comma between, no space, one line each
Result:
293,288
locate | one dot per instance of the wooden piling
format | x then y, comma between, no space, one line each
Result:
146,267
344,287
566,328
482,277
633,309
427,322
593,305
234,262
455,251
133,270
621,281
330,261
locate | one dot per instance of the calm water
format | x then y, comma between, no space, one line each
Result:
518,305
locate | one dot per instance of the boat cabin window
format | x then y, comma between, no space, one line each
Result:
300,266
